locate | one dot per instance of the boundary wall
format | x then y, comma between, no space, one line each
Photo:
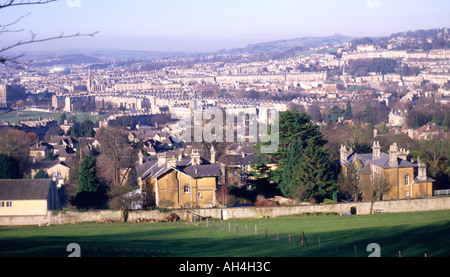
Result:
392,206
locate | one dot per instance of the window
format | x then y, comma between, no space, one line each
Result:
406,193
407,180
6,204
199,195
186,189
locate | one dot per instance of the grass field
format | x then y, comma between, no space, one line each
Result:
13,117
413,234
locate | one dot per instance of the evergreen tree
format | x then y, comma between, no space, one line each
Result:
88,180
314,175
88,184
288,182
294,126
446,121
335,114
437,117
41,174
348,111
9,167
383,128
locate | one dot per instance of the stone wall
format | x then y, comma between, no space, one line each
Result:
394,206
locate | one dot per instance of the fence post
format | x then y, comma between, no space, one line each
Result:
256,230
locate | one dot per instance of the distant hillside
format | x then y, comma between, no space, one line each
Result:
286,45
68,59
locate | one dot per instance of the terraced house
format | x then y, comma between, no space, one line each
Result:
406,178
183,181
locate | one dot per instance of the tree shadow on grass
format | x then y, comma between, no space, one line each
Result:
186,240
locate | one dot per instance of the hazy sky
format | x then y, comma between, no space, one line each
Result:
200,25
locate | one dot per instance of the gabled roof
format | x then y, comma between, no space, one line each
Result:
151,168
238,159
383,161
202,170
24,189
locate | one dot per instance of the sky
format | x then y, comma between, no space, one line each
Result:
209,25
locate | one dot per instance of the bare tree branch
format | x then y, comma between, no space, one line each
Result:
4,29
12,3
4,60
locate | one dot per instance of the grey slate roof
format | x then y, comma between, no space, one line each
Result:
24,189
150,168
383,161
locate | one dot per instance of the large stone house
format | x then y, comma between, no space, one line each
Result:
183,181
406,178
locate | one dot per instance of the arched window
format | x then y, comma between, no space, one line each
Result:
407,180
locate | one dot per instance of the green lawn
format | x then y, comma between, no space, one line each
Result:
13,117
413,234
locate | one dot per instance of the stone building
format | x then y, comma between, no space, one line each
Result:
28,197
183,181
10,94
407,179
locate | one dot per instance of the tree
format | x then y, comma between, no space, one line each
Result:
335,114
115,154
383,129
9,167
446,120
84,129
5,29
348,111
288,181
348,183
17,143
314,176
122,198
88,184
375,189
41,174
294,126
62,118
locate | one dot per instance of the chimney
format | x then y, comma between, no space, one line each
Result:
161,159
344,153
213,155
172,162
422,172
195,157
376,150
393,155
141,157
404,154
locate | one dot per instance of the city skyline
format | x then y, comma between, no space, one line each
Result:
199,25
